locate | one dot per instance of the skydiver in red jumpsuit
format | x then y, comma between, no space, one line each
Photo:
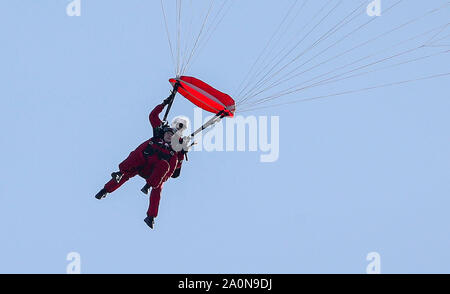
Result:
154,160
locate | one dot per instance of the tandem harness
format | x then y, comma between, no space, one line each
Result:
155,147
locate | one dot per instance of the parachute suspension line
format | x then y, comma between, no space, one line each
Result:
189,31
283,49
322,38
213,27
279,82
349,92
292,63
358,70
439,32
340,78
359,60
438,46
328,81
288,91
329,33
178,26
438,40
281,35
198,37
280,53
269,42
285,78
168,35
263,79
291,50
261,71
193,27
202,41
266,72
337,78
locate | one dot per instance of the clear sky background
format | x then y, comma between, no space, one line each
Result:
358,173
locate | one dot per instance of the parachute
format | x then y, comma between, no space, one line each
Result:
204,96
188,44
317,46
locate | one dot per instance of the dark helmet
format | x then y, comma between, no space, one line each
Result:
166,129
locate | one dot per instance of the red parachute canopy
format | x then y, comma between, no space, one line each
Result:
204,96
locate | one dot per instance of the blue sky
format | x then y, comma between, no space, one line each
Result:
357,173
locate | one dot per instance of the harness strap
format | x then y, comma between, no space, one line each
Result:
159,149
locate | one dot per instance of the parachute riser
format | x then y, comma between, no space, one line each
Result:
220,115
171,99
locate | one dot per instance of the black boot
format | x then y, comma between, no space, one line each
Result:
117,176
150,221
145,189
101,194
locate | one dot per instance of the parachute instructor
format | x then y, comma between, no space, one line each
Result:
154,160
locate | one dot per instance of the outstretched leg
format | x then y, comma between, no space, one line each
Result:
158,170
113,185
155,196
152,211
127,169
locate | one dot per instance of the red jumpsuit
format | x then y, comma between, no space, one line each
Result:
155,194
149,165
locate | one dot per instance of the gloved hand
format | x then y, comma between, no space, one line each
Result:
166,101
187,142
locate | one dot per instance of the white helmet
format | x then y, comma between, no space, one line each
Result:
180,123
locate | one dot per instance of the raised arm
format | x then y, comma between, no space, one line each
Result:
155,121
